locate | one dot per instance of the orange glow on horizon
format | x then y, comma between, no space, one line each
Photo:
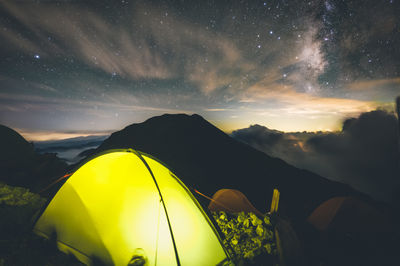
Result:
46,135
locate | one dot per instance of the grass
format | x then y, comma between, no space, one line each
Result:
18,246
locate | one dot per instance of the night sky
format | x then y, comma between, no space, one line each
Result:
84,67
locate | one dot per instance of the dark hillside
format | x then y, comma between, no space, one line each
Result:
206,158
20,165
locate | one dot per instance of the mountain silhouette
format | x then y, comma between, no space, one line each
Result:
20,165
207,159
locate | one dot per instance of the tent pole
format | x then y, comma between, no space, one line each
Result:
163,203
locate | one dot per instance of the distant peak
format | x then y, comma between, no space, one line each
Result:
175,117
197,116
171,120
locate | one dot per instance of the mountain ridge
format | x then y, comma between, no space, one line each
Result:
208,159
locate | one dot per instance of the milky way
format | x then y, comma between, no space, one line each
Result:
76,66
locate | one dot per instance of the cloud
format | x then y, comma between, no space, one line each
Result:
15,40
372,84
152,44
212,60
364,154
216,109
289,101
379,89
96,108
87,36
157,42
266,139
118,102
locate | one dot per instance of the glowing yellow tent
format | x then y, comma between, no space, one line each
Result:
126,208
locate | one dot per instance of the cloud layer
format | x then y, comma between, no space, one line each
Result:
365,154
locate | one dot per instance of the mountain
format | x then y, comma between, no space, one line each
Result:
12,145
207,159
20,165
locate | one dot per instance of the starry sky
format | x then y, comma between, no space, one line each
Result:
92,67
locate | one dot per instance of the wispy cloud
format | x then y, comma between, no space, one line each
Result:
16,40
379,90
289,101
216,109
53,104
374,84
91,38
134,50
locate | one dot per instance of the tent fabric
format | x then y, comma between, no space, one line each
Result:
124,203
324,213
348,214
231,200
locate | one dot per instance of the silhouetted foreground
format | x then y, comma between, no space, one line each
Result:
207,159
21,166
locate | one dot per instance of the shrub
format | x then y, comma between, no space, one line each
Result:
247,237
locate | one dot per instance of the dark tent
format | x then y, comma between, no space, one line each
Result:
352,231
348,214
231,200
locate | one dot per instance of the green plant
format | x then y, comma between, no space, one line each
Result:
18,245
246,235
